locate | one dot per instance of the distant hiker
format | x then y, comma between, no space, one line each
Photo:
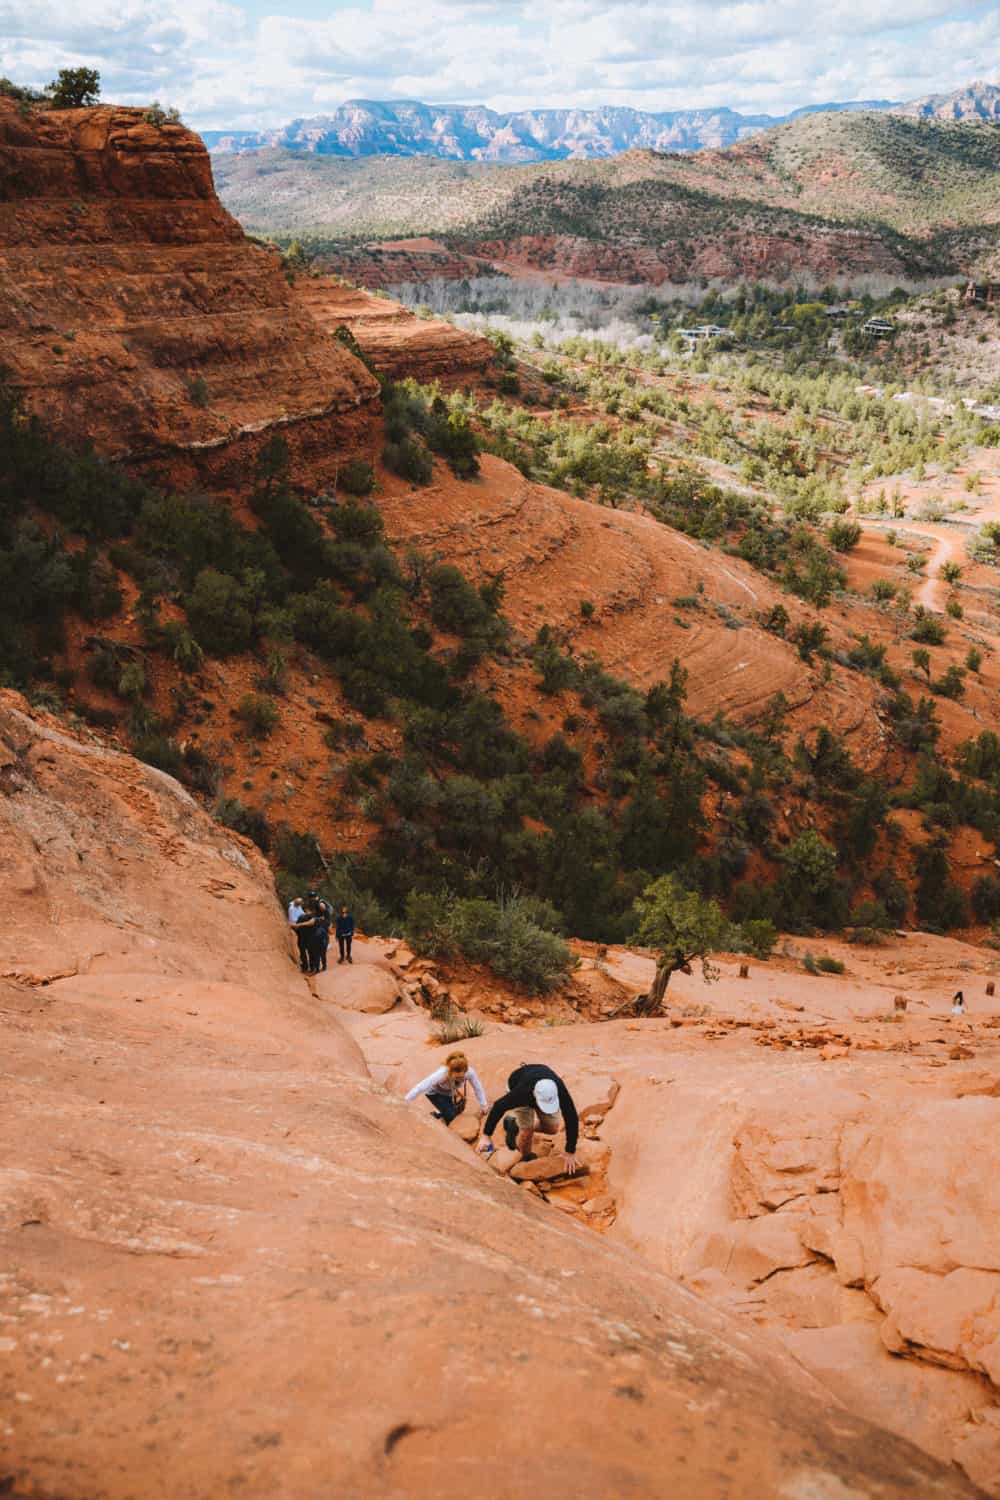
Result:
958,1004
314,926
536,1099
296,914
446,1087
345,935
322,914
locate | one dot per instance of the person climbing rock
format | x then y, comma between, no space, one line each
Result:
446,1087
536,1099
297,914
345,935
958,1004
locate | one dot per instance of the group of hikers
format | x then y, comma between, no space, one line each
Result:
311,920
536,1100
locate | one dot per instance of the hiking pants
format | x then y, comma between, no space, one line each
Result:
344,943
444,1104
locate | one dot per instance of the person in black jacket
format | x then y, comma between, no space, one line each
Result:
536,1099
345,935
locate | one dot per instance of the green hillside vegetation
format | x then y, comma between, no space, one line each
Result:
915,184
468,811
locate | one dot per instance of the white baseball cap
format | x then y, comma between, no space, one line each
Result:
547,1096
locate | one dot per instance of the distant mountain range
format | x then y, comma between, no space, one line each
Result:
361,128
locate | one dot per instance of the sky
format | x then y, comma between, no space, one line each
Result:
260,63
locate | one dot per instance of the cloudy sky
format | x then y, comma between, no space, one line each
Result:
261,62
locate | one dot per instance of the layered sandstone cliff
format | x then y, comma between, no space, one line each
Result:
394,339
235,1264
135,313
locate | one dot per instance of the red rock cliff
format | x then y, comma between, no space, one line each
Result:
135,312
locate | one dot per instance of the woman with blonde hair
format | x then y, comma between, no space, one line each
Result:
446,1087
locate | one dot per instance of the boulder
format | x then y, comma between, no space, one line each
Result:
545,1169
359,987
503,1159
466,1125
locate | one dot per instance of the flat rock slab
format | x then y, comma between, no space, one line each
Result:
361,987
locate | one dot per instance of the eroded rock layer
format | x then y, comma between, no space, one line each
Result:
397,342
135,313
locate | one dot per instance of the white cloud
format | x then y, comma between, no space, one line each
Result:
224,63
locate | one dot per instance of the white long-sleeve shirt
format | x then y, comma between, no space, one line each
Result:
437,1082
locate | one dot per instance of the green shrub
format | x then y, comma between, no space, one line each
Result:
409,459
197,389
985,897
929,631
756,936
357,477
822,965
844,535
232,813
259,714
512,936
158,749
951,683
217,610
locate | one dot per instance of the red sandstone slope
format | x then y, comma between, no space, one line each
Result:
123,282
232,1265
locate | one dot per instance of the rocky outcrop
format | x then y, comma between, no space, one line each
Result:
851,1226
396,261
754,249
136,315
230,1265
395,340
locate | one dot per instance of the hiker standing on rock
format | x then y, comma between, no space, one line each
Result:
345,934
446,1087
322,913
314,926
297,914
536,1099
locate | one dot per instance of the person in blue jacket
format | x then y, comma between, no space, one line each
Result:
345,935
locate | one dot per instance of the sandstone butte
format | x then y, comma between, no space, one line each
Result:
233,1260
124,283
232,1263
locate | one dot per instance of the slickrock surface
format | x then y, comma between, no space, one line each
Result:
123,281
397,342
233,1264
841,1199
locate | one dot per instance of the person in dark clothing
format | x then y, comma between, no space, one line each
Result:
322,918
536,1099
316,927
296,914
345,935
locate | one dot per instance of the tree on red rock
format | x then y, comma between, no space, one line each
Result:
684,927
75,88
